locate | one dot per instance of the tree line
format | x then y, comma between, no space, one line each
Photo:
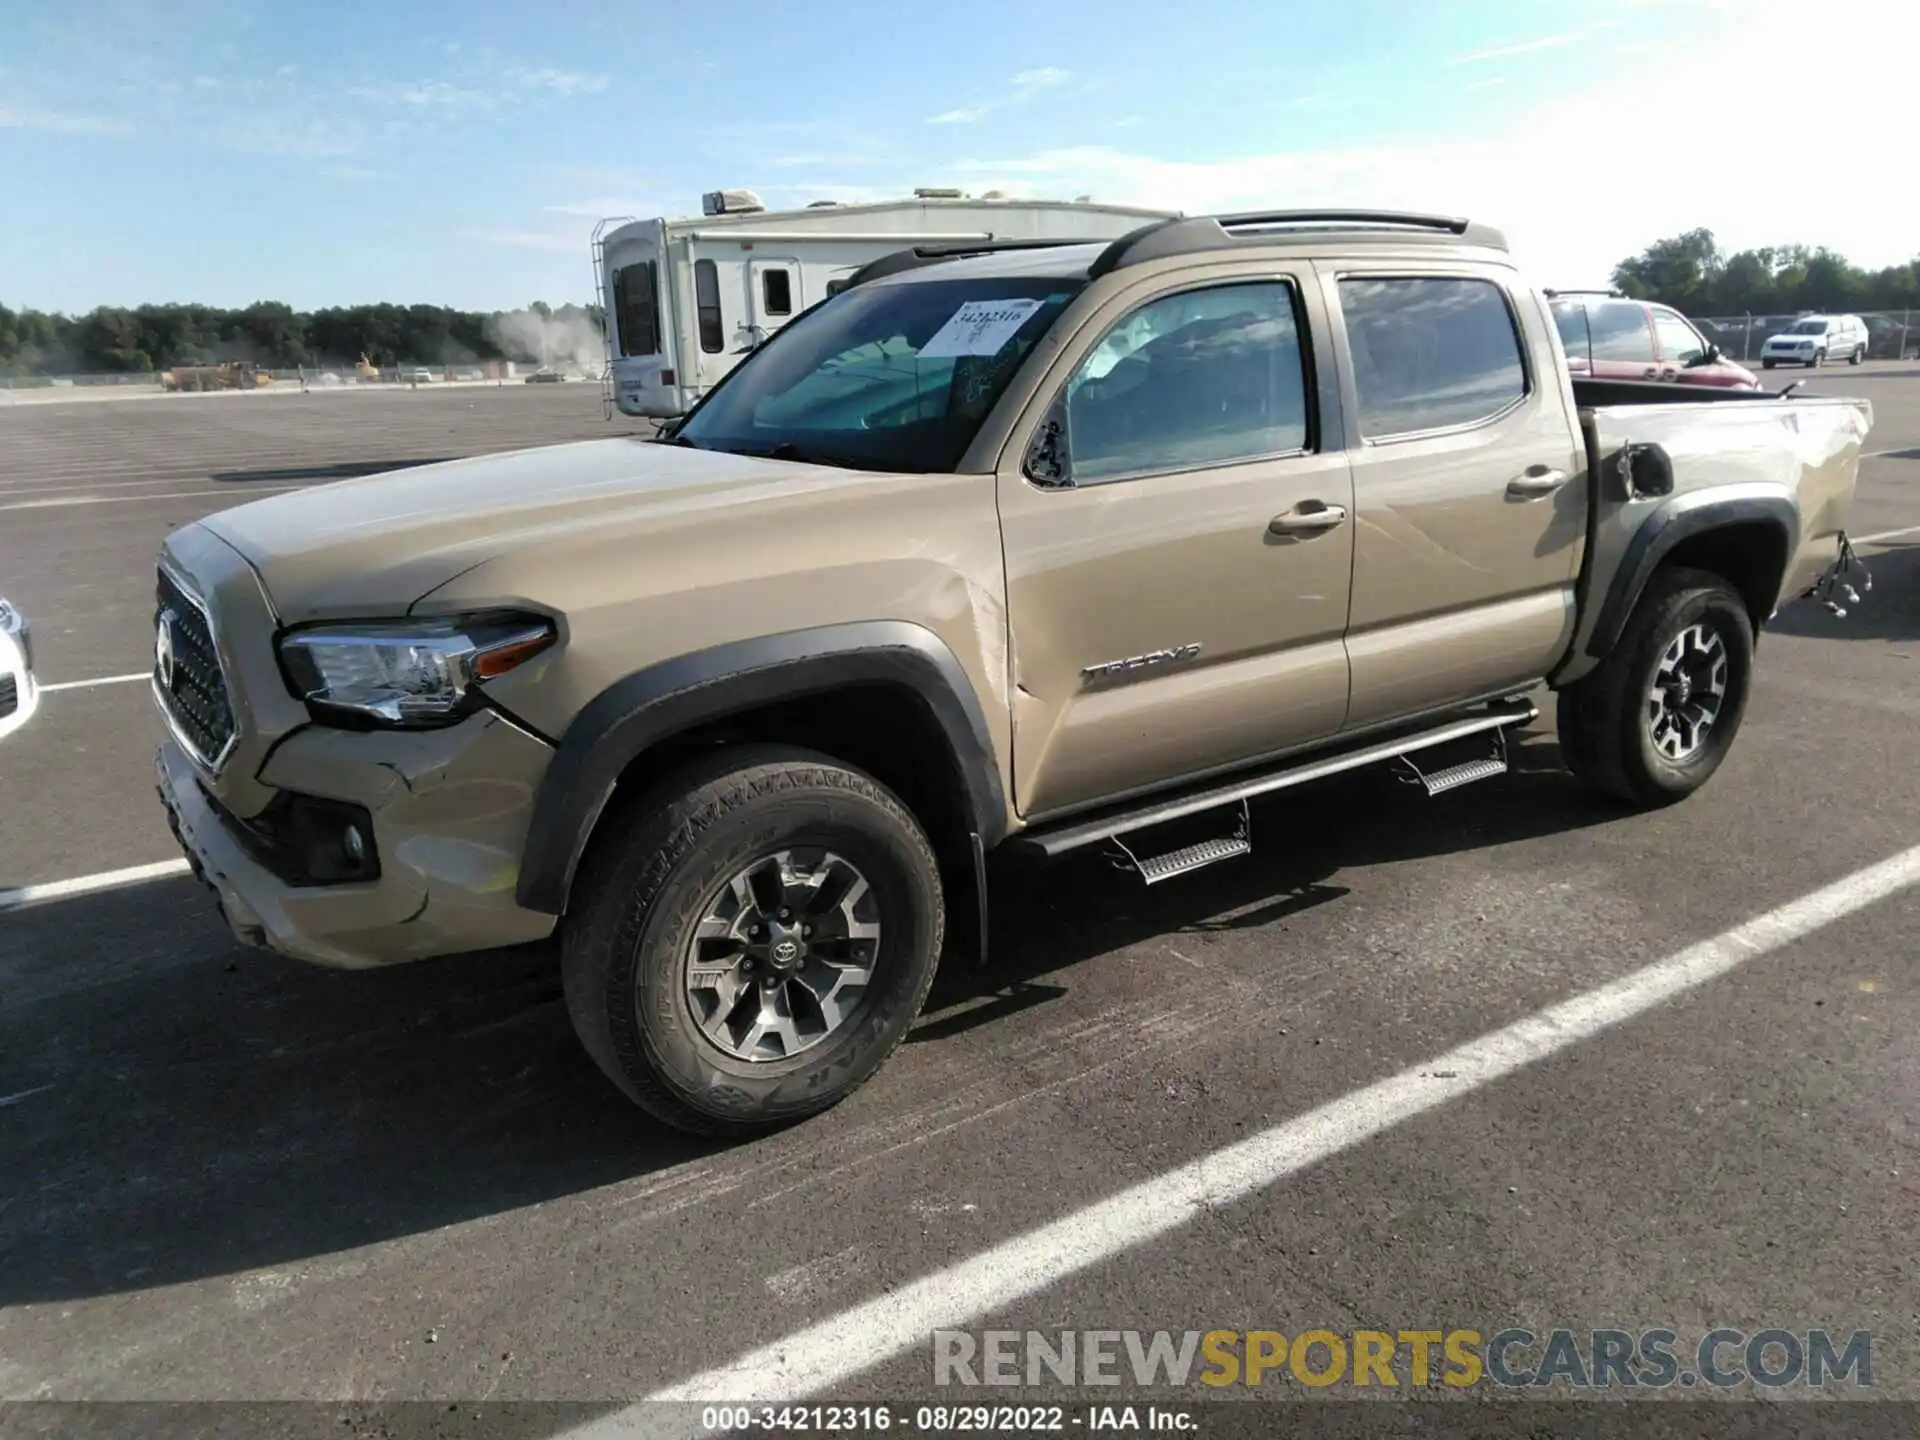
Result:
117,340
1691,273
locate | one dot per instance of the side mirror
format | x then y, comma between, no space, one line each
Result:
1646,471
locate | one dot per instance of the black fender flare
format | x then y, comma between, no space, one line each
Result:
665,699
1662,531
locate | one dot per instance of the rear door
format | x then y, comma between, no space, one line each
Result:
1622,340
1469,484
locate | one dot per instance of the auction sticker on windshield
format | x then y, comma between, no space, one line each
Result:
979,327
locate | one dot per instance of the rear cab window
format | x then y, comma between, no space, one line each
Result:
1431,353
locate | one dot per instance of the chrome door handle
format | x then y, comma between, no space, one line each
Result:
1536,482
1299,522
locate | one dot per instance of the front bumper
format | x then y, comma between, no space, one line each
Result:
449,811
19,694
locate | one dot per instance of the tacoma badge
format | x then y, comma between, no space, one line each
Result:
1108,668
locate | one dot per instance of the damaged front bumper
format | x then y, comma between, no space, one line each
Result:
445,814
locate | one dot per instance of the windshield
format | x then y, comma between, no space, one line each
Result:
1809,327
888,377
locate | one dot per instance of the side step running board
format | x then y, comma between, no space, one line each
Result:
1452,777
1495,718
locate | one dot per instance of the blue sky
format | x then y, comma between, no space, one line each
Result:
459,153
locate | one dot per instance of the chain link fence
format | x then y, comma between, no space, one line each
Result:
1891,334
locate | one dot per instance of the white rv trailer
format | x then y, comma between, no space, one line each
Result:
686,298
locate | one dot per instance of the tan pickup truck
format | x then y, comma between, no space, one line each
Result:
1044,546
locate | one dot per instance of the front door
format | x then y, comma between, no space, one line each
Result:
773,294
1178,544
1469,487
1622,341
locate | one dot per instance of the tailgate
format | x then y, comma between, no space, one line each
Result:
1803,451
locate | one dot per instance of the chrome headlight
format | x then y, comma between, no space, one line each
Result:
413,673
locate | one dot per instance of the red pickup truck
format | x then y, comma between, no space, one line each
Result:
1609,336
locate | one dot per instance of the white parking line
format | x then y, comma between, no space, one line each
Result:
1887,535
88,884
89,684
808,1361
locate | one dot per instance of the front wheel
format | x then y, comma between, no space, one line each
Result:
1819,359
1766,364
755,943
1654,721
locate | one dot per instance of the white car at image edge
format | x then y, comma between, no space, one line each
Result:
19,696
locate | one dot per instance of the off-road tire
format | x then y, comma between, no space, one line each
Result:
642,889
1602,718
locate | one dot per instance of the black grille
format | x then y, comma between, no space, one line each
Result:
9,696
187,672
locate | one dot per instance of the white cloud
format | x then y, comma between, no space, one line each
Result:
561,82
418,94
1533,172
1522,47
1022,86
529,239
59,122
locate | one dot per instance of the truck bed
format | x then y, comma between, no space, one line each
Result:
1787,465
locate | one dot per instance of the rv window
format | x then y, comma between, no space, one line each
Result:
776,289
636,308
706,304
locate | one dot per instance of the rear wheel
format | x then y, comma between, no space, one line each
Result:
756,944
1859,354
1655,720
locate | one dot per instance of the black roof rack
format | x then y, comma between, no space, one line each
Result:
1186,236
916,256
1611,292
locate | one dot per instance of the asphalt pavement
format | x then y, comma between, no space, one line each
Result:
230,1176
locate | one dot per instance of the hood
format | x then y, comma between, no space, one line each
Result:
1787,340
377,544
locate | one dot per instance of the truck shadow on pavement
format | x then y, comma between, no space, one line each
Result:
1889,611
174,1107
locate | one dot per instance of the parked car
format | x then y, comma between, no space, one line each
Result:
1034,548
545,376
418,375
1608,336
1816,339
19,695
469,374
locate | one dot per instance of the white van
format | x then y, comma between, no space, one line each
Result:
684,299
1816,339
